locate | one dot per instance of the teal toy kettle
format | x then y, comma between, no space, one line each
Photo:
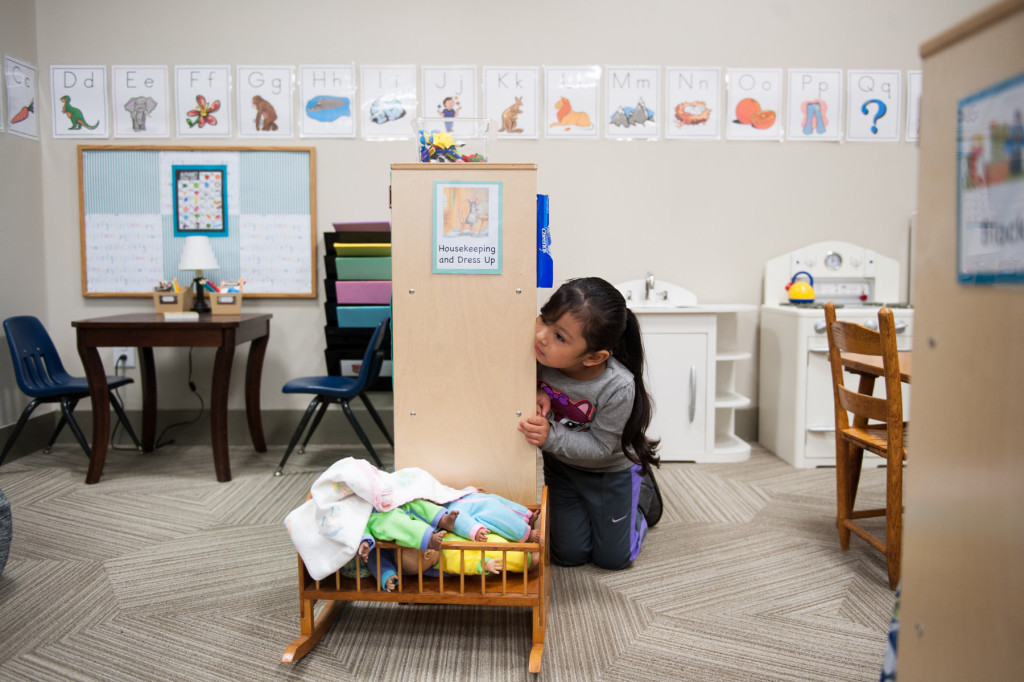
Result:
801,292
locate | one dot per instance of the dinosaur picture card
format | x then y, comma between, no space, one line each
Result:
79,101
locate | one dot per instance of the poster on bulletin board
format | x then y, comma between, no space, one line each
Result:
137,205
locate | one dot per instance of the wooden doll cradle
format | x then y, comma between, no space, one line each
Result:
532,590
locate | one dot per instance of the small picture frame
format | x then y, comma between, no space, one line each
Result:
200,200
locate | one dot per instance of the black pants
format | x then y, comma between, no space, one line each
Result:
594,515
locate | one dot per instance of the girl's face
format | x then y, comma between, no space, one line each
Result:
560,344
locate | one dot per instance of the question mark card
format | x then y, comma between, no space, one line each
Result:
873,106
815,105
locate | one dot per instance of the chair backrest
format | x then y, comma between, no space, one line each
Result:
848,337
37,365
373,357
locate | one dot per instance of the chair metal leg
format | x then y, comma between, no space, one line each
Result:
67,405
123,418
316,423
376,418
22,420
361,433
298,433
56,432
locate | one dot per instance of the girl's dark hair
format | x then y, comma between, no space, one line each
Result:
607,324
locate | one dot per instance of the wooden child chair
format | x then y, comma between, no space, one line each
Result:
877,427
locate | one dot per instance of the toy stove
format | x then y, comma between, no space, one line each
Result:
796,419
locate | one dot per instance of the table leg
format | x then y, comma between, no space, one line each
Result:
147,373
253,372
219,406
98,391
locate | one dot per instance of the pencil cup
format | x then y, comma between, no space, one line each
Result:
225,303
173,301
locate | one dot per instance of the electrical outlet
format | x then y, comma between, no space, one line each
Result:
128,352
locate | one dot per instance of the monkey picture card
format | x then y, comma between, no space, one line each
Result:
265,101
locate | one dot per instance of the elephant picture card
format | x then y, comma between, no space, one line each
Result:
142,107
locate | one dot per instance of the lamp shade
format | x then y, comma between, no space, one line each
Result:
198,255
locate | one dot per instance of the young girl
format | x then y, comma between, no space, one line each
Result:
593,412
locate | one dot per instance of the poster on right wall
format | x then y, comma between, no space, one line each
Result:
990,185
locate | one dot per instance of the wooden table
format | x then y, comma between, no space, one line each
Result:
871,365
148,330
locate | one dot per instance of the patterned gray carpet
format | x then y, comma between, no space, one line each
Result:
161,573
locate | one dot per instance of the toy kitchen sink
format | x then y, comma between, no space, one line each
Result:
690,373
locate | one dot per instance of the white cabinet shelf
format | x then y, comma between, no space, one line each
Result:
691,376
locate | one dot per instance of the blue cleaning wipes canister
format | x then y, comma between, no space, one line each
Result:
545,265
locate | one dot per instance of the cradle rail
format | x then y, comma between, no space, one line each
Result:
529,589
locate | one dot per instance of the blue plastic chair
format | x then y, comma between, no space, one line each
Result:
336,389
42,377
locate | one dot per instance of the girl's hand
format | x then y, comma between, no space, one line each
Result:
535,429
543,403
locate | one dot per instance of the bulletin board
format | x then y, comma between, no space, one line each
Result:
131,199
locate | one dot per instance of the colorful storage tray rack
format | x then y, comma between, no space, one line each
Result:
357,260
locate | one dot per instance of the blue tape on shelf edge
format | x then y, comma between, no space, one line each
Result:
545,264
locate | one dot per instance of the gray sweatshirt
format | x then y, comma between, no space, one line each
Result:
587,417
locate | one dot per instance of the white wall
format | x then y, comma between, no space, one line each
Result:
705,215
23,286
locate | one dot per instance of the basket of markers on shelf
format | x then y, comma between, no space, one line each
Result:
168,297
225,299
453,140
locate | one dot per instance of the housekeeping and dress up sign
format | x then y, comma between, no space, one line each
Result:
467,228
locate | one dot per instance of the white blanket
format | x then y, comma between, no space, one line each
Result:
327,528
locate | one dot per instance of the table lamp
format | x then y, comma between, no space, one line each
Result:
198,255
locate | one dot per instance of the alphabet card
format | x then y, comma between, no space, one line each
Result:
22,116
754,104
141,104
326,95
815,109
79,100
632,102
693,103
873,106
202,101
388,106
571,106
511,99
265,101
449,91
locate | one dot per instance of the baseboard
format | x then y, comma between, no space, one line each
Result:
186,427
33,437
